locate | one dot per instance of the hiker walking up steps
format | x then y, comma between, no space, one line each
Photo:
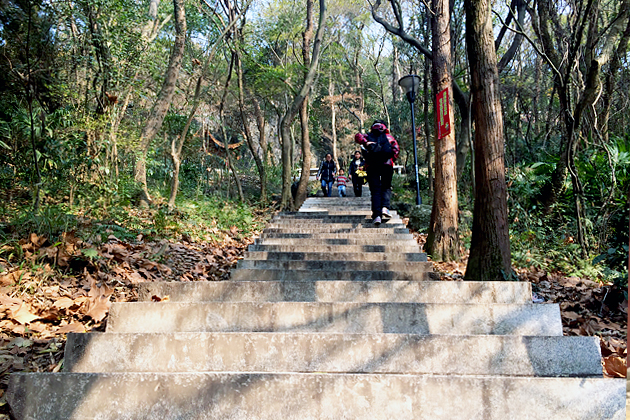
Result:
326,173
380,150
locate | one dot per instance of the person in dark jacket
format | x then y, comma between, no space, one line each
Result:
380,170
357,181
326,173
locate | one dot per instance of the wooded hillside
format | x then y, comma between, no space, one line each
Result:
188,121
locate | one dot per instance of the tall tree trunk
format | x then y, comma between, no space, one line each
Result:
262,137
226,142
287,120
427,124
307,37
262,173
177,144
490,257
164,99
442,240
333,121
395,74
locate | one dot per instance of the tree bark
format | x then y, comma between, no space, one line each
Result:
307,37
226,142
333,121
287,120
164,99
395,74
262,173
427,124
442,240
262,137
490,257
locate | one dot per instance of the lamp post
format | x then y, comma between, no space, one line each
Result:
410,84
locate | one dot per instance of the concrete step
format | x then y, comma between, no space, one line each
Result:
337,209
356,240
340,291
366,235
331,265
387,250
314,217
370,230
300,396
259,274
338,255
288,224
340,317
334,353
326,216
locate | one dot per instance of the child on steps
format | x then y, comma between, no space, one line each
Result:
341,183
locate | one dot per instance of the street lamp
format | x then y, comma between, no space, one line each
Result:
410,84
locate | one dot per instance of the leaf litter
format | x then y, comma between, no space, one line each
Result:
587,308
69,286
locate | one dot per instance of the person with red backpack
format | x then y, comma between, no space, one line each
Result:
380,150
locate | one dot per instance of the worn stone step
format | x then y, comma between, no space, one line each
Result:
334,353
326,216
365,249
338,255
356,240
335,206
323,230
310,396
339,212
260,274
340,291
289,224
341,317
365,235
396,266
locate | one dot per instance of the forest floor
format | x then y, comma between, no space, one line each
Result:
68,286
587,307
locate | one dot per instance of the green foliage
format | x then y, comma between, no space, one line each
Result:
548,240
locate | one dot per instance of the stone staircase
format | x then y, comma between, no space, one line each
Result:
327,317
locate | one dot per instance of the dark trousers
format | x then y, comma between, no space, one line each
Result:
357,186
380,179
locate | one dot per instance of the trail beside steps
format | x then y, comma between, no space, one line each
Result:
327,317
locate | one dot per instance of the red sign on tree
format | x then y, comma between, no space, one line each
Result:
442,114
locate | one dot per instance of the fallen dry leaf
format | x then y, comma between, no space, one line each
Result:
23,315
615,366
76,327
64,303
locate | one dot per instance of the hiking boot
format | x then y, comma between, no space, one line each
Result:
386,214
377,221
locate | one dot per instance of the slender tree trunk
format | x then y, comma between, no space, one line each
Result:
164,99
287,120
333,121
442,240
427,124
490,257
307,37
262,174
260,122
226,142
28,85
395,75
